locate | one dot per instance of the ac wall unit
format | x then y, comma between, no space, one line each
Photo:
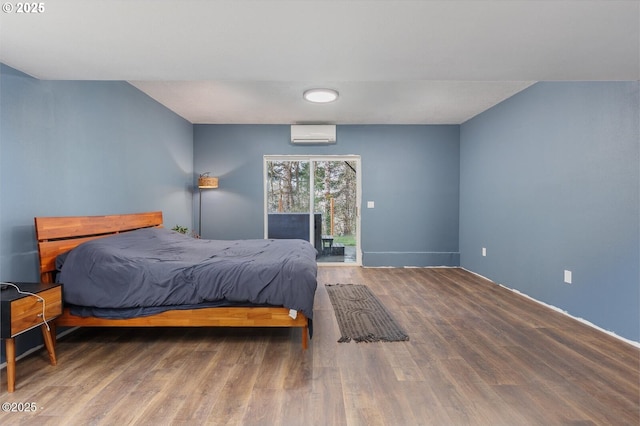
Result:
313,133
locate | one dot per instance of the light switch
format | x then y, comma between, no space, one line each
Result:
370,204
567,277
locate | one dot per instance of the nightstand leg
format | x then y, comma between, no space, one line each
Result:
48,342
11,364
54,334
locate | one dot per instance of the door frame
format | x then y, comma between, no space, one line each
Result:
312,158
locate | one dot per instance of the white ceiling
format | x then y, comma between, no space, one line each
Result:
396,62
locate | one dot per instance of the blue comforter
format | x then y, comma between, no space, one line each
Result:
157,267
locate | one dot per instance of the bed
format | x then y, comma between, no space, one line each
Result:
186,270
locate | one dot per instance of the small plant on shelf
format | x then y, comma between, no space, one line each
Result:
184,230
180,229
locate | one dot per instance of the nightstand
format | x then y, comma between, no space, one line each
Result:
22,312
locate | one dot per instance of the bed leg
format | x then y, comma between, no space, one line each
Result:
305,337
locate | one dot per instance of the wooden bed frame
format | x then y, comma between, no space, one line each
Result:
57,235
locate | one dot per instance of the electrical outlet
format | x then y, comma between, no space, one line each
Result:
484,251
371,204
567,276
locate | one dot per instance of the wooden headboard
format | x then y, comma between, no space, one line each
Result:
57,235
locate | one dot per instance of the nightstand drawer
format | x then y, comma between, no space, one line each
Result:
27,312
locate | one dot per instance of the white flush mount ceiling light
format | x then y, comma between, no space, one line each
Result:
320,96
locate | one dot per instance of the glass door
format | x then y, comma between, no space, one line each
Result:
335,198
315,199
288,200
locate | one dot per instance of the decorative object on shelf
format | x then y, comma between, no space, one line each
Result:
180,229
205,182
184,230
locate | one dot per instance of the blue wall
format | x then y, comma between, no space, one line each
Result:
82,148
547,180
410,172
550,181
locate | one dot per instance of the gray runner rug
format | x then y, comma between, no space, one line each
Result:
361,316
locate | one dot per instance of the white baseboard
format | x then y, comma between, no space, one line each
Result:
582,320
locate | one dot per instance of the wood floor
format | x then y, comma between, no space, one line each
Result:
478,355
